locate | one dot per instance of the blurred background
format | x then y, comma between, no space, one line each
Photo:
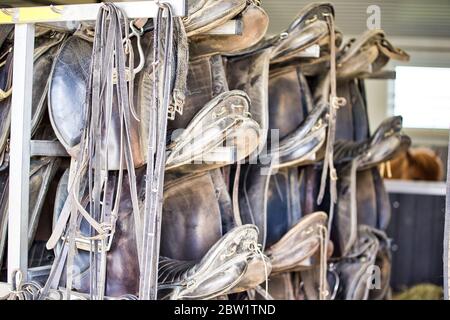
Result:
420,92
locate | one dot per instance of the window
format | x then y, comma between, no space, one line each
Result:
422,97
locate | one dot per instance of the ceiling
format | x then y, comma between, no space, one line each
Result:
399,18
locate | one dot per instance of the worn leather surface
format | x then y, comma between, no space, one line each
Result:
122,264
191,221
227,226
253,21
204,15
71,74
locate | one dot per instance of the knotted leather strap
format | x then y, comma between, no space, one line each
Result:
335,103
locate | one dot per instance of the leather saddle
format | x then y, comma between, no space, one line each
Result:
252,21
357,272
193,271
368,54
352,157
47,43
205,15
246,136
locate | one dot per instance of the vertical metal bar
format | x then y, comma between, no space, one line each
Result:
19,169
447,234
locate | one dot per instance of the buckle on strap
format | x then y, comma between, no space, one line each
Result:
104,240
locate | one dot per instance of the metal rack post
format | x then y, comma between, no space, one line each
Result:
19,167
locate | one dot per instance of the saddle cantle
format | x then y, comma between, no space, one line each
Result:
205,15
253,22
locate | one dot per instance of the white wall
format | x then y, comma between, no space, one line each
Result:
380,93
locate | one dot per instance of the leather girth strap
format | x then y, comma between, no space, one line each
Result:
148,284
104,93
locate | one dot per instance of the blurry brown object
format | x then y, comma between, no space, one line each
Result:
415,164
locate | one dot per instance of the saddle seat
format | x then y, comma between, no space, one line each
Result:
228,267
224,121
366,55
292,251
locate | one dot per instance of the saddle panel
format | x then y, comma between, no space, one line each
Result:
283,204
6,73
366,198
199,90
4,192
281,286
250,73
383,202
67,91
289,100
191,219
352,121
254,183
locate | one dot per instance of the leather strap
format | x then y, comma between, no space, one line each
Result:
148,284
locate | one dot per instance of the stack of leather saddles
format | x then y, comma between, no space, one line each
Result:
270,186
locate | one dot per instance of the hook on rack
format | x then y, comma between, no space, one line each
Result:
56,9
7,11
